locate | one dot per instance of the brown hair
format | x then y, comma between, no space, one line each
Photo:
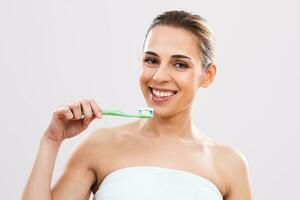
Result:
193,23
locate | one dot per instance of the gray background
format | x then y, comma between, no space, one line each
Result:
52,52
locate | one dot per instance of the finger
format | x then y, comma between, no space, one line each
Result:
91,119
63,112
96,109
76,109
87,111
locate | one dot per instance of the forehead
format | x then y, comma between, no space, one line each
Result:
166,40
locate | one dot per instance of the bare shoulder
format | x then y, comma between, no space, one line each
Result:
110,136
102,142
233,166
230,157
80,176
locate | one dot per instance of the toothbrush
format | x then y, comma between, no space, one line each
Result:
143,113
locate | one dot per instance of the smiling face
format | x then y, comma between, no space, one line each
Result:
171,70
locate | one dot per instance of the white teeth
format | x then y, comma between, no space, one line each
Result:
162,94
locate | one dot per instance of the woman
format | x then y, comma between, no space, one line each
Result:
165,157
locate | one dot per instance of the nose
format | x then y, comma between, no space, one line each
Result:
162,74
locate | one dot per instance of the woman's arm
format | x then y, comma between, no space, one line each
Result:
240,180
76,180
78,176
68,121
234,168
38,185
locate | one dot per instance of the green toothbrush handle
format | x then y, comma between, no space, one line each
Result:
112,112
119,113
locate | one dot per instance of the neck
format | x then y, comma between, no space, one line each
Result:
179,125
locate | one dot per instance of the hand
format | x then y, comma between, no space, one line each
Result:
71,119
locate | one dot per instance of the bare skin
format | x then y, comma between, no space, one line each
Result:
170,140
135,148
127,144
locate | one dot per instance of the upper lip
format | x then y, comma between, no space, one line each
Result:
163,89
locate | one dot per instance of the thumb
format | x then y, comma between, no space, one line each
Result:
86,122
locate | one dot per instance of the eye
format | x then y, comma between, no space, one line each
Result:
150,61
181,65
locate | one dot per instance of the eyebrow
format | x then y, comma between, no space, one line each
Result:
173,56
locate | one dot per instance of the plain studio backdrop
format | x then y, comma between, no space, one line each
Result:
52,52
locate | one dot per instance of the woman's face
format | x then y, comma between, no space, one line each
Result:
171,70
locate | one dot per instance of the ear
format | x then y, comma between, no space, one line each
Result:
208,75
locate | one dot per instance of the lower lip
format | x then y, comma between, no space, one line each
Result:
159,99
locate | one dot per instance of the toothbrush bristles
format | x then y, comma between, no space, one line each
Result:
146,111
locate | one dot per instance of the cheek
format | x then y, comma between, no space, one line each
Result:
188,81
145,75
142,77
188,84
